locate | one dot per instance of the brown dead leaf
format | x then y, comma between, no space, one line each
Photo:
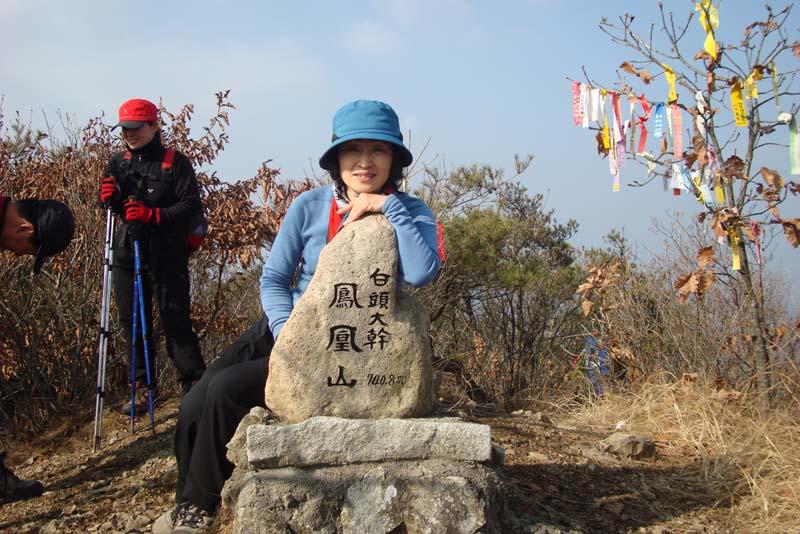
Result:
705,256
701,218
601,147
584,287
796,49
719,223
733,167
699,145
772,178
702,54
686,284
587,307
791,227
748,232
689,158
728,395
645,76
689,378
777,334
627,67
705,281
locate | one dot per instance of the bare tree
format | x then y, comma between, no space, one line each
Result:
735,96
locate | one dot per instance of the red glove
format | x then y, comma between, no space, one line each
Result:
136,211
108,190
194,241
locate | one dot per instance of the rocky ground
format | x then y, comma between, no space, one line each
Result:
556,480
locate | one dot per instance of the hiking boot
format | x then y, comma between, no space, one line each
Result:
13,488
142,404
189,519
166,521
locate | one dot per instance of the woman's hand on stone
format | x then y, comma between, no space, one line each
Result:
363,204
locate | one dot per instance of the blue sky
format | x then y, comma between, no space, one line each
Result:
481,80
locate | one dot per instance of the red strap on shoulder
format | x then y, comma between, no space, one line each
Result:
334,220
127,155
169,155
440,241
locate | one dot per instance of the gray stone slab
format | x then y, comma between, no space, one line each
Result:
425,496
335,441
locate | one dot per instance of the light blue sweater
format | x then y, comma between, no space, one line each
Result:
305,231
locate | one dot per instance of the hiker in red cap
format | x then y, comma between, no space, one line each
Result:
39,228
154,191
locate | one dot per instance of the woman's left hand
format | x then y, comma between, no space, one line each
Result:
363,204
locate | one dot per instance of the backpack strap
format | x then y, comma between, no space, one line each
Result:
166,163
169,156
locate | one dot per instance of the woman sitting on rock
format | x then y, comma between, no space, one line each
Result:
366,159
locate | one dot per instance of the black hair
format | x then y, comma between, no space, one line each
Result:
28,209
395,171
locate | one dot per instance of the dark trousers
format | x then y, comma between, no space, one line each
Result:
170,286
210,413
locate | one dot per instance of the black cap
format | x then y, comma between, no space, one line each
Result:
53,230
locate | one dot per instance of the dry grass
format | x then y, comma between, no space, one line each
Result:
747,460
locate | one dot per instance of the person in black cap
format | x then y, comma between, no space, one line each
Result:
154,191
39,228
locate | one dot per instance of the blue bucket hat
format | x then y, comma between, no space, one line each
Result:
366,119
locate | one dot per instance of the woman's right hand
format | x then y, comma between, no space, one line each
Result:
363,204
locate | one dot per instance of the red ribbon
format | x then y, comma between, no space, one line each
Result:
643,119
577,117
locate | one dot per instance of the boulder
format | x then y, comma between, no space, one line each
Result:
625,445
354,346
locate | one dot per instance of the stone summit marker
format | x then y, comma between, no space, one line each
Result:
354,345
350,382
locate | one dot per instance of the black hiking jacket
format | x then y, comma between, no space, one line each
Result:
174,191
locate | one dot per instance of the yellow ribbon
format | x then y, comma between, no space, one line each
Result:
737,103
750,88
709,19
736,261
670,74
606,133
720,192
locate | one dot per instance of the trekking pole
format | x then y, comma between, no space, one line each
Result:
134,339
102,345
138,295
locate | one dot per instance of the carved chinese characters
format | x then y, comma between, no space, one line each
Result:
354,346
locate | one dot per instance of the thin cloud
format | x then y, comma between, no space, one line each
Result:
372,38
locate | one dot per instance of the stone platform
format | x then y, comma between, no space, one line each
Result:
332,475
